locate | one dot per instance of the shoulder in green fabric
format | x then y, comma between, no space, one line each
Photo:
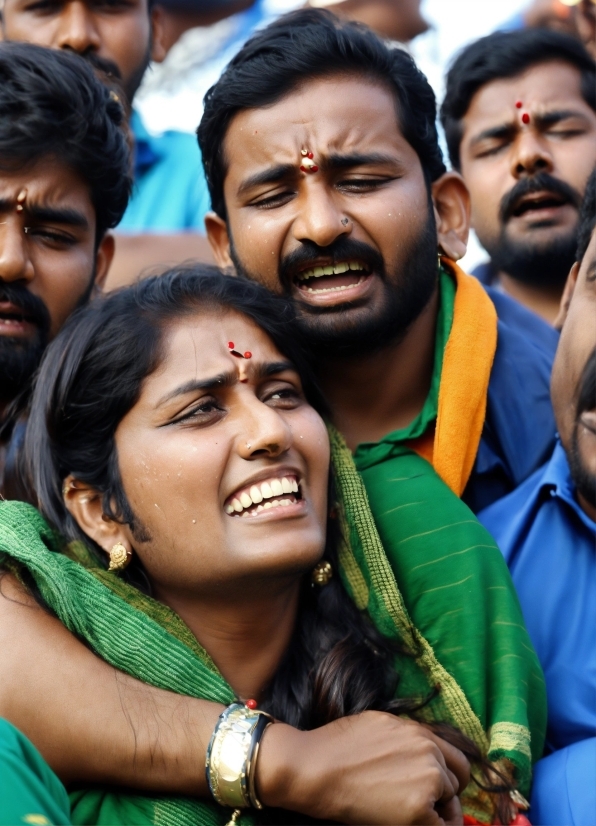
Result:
459,594
369,453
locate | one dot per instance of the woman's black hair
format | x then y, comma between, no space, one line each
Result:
52,105
504,55
92,374
301,46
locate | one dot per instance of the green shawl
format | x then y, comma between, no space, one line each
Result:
147,640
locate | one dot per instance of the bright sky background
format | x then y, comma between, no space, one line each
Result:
455,23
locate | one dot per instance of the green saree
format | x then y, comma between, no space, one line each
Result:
500,681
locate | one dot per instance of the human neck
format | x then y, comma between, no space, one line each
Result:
245,635
587,507
544,301
375,394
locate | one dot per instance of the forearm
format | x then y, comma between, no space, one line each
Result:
91,722
138,255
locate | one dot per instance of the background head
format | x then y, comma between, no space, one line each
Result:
311,83
64,181
520,122
117,38
399,20
573,385
163,435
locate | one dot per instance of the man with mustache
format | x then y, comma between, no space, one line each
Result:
164,220
547,532
64,183
520,122
322,194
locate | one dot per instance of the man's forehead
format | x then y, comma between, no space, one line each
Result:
47,181
326,115
543,87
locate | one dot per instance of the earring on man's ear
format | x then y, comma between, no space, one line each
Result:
119,557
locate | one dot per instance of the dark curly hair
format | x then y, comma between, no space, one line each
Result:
52,104
312,43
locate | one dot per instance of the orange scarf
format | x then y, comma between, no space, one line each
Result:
467,365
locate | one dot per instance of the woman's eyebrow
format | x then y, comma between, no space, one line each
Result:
265,369
261,371
221,380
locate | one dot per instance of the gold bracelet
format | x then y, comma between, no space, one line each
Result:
230,765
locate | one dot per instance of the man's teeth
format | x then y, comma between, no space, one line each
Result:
337,269
271,490
335,289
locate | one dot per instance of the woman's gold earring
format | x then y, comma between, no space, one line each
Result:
119,557
322,573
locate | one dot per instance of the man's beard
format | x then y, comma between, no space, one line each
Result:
584,480
537,265
20,357
109,73
330,330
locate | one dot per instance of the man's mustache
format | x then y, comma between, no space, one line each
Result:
31,306
541,182
586,399
103,65
342,249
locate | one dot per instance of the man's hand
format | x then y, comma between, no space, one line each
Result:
372,768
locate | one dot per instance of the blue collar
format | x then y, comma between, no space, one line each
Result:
557,480
146,149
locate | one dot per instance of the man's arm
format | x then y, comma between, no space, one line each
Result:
94,724
148,253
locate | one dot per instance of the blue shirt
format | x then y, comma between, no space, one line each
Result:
549,544
170,192
519,429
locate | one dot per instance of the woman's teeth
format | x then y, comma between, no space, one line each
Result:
271,491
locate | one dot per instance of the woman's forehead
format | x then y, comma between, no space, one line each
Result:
197,347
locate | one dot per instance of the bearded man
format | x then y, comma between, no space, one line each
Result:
328,186
64,183
547,532
520,120
164,219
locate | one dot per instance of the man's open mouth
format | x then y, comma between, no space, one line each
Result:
11,315
537,201
328,278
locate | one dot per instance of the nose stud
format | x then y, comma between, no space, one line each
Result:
345,221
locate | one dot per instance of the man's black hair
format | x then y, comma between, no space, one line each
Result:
587,218
52,104
504,55
301,46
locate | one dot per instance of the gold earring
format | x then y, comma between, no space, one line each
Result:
322,573
119,557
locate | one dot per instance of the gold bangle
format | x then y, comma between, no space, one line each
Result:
230,763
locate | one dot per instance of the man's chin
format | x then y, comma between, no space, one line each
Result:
541,259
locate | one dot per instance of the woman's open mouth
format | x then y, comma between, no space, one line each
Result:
274,492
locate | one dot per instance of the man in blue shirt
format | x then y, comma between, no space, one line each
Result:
547,532
164,220
520,122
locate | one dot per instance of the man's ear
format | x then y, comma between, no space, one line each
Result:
85,506
219,238
158,49
452,214
566,297
103,258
